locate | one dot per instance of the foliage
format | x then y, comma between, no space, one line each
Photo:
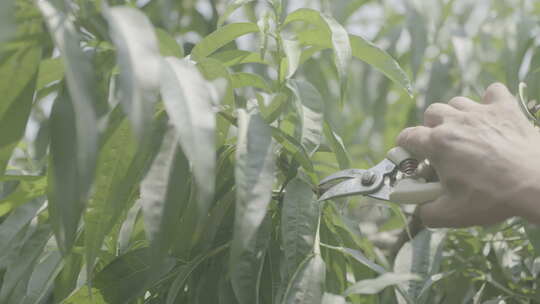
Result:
169,151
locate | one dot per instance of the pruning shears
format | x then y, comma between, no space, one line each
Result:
399,178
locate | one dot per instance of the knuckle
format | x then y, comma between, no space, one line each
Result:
457,100
496,86
461,102
434,110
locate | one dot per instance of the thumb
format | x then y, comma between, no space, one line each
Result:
497,93
441,213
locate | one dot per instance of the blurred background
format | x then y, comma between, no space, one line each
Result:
446,47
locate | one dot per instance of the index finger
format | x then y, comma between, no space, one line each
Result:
416,140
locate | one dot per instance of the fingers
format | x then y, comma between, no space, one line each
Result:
463,103
441,213
436,113
455,213
497,93
416,140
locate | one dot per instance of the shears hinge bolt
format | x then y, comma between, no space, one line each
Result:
369,178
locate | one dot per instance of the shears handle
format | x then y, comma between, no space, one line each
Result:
411,190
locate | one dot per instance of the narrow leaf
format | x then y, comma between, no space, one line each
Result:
236,57
338,147
421,256
221,37
74,139
167,45
365,51
374,286
139,61
50,70
416,25
339,38
310,108
185,271
241,79
164,191
189,101
27,256
12,227
254,174
7,22
43,278
109,197
29,188
231,7
18,73
329,298
125,278
307,284
296,150
299,220
293,52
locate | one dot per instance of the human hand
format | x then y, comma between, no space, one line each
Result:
487,156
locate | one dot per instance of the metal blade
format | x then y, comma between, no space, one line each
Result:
345,174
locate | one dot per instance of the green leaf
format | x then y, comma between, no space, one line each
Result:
110,195
338,147
329,298
365,51
374,286
85,296
310,108
416,25
164,191
68,181
307,284
213,69
420,256
533,233
231,7
7,22
241,79
18,73
254,174
235,57
139,61
299,221
12,228
293,53
360,257
19,271
43,278
168,46
50,70
29,188
185,271
189,101
74,138
248,265
221,37
126,278
297,151
339,37
271,106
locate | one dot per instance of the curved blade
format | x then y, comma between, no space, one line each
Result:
349,173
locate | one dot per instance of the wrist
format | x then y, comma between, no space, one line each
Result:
527,205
